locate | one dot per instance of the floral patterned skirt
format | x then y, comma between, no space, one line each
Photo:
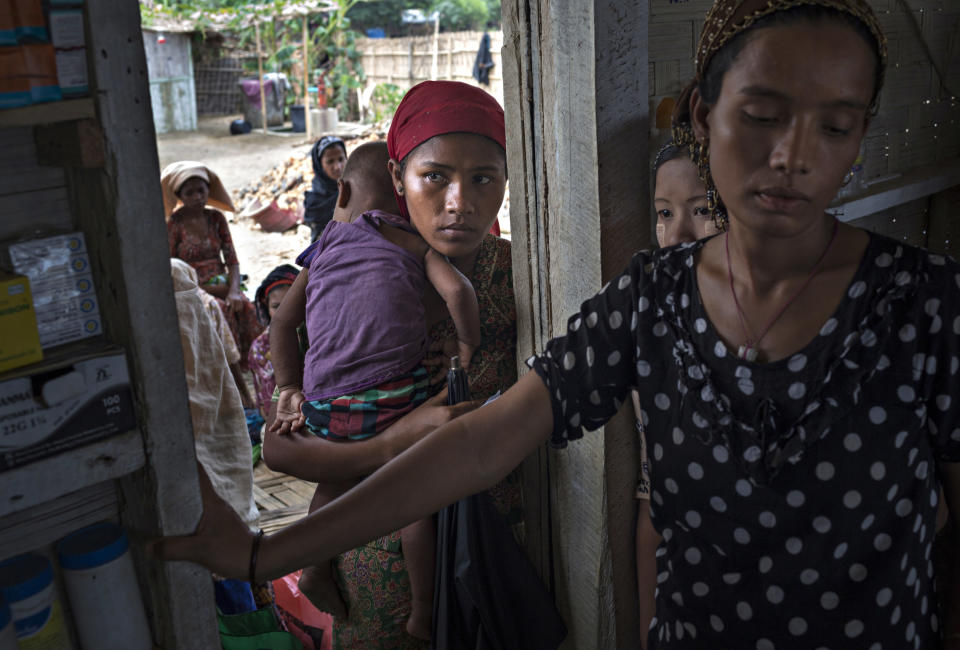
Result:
374,582
244,326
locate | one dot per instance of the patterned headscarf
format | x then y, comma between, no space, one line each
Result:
725,20
434,108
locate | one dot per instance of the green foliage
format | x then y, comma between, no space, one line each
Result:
347,74
462,15
494,9
385,99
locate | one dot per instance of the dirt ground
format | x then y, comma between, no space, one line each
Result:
240,160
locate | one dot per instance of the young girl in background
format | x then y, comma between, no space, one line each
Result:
267,300
680,203
680,198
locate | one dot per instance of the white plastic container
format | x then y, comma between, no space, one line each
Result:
102,588
26,581
8,632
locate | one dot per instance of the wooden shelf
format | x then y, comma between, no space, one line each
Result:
62,354
49,478
911,186
48,112
37,527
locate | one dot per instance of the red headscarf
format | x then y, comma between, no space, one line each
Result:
434,108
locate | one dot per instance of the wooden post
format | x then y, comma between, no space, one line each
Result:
119,214
410,63
450,58
306,78
573,228
436,45
263,97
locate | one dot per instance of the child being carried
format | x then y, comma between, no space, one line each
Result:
361,295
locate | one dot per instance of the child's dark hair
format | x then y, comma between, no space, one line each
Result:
712,81
667,153
282,276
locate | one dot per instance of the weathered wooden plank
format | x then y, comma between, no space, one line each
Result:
625,226
71,109
571,111
522,97
29,213
273,520
119,209
943,233
34,528
571,222
287,497
265,500
25,178
303,489
49,478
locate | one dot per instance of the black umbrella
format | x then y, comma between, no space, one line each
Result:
457,388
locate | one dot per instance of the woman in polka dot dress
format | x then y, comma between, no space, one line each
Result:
796,375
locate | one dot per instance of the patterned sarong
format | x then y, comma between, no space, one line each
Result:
365,414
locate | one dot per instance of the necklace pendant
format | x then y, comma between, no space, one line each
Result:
750,354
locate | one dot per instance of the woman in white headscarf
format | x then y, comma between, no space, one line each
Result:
199,235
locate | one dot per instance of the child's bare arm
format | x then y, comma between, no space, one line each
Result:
285,354
461,299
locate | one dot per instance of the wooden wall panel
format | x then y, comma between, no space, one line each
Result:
389,60
576,80
33,198
943,223
136,300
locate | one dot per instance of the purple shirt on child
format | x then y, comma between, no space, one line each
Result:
365,318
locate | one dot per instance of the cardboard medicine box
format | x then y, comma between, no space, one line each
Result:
64,296
64,403
20,343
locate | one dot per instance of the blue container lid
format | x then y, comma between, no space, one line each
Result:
5,614
24,575
92,546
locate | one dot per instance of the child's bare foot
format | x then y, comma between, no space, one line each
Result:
421,619
320,587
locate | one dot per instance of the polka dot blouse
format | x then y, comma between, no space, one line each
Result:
797,499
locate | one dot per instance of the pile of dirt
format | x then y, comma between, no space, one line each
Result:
286,182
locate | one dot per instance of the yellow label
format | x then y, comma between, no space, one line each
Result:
20,344
52,636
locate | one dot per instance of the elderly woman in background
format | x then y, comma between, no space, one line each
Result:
199,235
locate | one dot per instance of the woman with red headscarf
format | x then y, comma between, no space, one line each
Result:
448,170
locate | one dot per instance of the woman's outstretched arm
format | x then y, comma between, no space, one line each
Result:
461,458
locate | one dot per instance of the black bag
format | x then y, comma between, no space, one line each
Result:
488,595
